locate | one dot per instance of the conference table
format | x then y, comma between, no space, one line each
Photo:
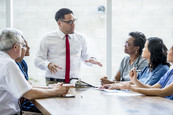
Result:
90,101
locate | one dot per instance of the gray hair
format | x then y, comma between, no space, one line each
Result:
8,37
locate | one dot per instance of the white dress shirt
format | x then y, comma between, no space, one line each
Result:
53,49
12,85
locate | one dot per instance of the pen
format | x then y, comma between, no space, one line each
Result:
137,70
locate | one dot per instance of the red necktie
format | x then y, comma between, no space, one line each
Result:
67,70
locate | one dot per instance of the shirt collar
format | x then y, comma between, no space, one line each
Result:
135,62
160,65
62,35
4,54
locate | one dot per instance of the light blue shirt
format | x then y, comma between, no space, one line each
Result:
153,76
166,80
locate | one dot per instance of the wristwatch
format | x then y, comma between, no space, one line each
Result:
93,58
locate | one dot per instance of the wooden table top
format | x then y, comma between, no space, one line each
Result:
95,102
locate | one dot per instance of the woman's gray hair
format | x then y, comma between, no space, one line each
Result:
8,37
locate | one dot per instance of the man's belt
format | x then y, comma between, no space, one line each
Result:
58,80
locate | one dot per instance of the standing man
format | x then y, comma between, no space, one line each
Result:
61,51
13,85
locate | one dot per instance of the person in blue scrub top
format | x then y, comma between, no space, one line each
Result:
21,62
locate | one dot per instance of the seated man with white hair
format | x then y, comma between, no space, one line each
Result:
12,81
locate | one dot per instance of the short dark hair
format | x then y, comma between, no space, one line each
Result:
60,13
158,52
139,40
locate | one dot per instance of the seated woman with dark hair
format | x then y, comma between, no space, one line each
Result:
26,105
133,47
21,62
163,88
155,53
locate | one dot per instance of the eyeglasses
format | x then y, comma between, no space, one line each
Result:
70,21
22,44
128,44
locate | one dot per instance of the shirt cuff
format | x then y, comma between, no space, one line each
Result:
93,58
46,65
